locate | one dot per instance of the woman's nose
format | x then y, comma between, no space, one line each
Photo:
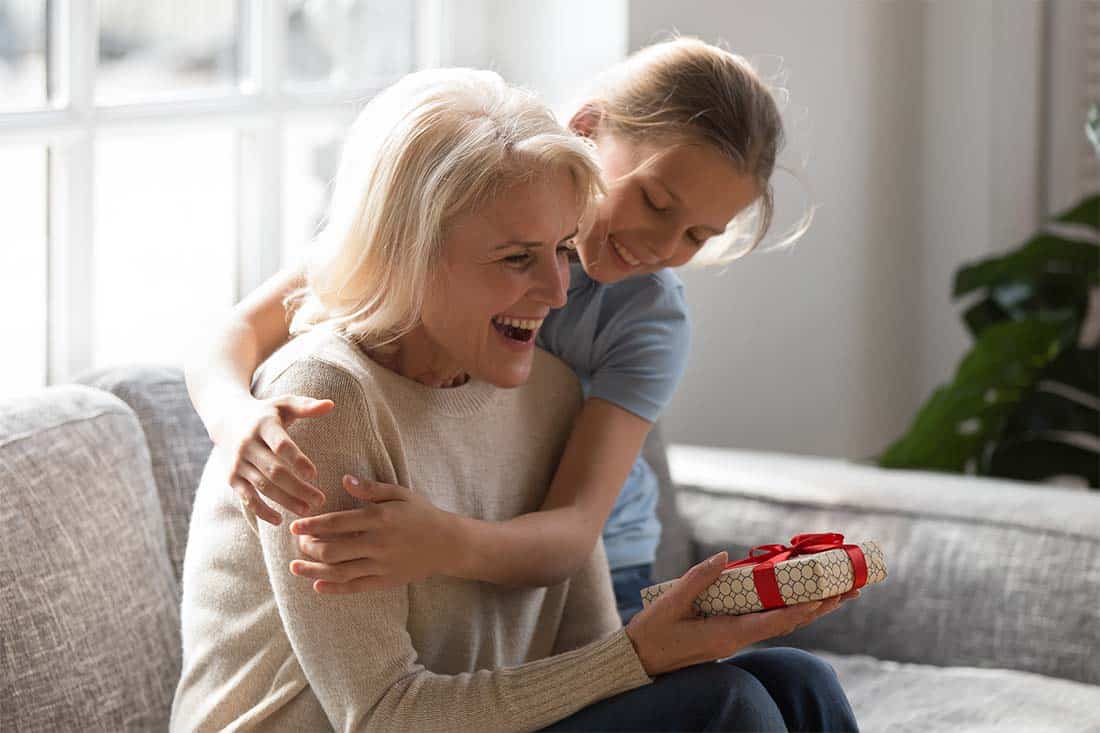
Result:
552,282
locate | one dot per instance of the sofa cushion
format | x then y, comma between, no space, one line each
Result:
89,609
177,441
983,572
921,698
674,550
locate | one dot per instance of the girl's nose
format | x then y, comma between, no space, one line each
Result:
661,244
658,250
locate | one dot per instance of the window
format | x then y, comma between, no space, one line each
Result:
159,159
23,267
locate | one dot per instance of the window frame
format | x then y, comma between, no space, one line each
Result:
258,109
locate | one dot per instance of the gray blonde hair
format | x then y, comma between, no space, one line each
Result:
436,144
687,91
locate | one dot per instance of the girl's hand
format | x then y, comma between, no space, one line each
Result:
399,537
668,636
262,459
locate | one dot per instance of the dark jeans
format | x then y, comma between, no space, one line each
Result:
628,584
776,689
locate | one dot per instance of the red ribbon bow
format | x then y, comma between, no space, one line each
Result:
763,575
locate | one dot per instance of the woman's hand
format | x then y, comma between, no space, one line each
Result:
667,635
262,458
399,537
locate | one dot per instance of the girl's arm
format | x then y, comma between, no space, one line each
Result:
252,433
548,546
407,538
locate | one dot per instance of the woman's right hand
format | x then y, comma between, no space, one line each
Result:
262,459
667,635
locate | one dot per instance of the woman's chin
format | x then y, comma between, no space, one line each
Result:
509,376
507,372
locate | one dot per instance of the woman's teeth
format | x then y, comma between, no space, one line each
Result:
523,323
517,329
627,257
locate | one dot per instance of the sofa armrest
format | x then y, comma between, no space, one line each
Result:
983,572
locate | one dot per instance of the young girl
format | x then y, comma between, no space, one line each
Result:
687,137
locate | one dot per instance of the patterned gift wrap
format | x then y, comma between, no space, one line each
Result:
802,578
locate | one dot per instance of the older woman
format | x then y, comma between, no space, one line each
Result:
415,317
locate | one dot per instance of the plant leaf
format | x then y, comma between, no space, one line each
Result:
1078,368
982,315
961,417
1086,213
1043,253
1035,459
1041,412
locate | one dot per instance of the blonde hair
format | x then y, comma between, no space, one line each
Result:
436,144
687,91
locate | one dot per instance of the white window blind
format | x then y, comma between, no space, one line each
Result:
1089,169
1072,170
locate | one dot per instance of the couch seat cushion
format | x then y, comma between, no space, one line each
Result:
898,697
982,572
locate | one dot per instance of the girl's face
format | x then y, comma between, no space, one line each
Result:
503,268
663,203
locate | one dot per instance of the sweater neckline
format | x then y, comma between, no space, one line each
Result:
460,401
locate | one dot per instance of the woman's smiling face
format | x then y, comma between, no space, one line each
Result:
502,269
663,202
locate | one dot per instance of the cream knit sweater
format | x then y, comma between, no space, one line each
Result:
262,650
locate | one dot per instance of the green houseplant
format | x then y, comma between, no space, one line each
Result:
1025,400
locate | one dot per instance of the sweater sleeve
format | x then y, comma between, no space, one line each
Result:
355,650
589,612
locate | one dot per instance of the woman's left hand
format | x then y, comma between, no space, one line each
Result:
399,537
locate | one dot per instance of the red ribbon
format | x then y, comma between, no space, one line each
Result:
763,575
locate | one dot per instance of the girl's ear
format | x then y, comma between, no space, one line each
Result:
587,120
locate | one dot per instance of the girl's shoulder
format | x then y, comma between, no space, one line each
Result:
663,287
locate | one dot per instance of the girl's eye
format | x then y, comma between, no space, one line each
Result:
649,201
518,259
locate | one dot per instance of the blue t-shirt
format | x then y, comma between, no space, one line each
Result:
628,342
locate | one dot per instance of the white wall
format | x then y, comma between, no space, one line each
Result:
551,47
556,47
830,349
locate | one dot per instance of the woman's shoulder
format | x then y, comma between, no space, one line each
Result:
318,363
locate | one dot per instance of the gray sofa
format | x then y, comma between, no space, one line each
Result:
990,619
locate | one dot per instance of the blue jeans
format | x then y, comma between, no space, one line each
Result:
628,584
774,689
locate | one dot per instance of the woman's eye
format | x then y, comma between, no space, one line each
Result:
518,259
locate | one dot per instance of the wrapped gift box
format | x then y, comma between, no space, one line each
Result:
811,568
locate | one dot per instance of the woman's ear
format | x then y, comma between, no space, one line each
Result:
587,119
